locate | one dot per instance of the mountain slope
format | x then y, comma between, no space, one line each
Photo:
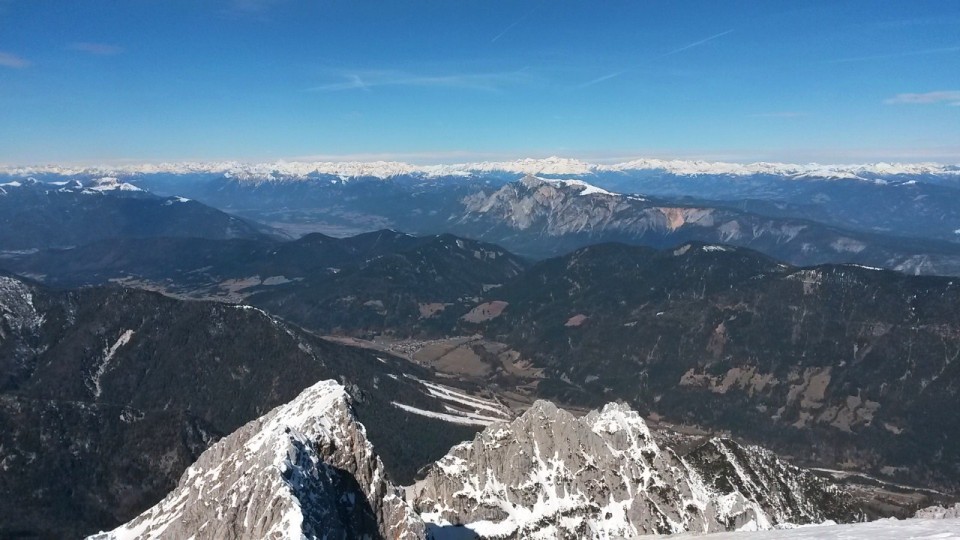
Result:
419,290
37,215
303,470
545,217
384,280
832,364
549,474
108,395
204,267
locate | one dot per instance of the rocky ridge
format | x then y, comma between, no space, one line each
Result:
549,474
303,470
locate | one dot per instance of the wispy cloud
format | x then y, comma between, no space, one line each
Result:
901,54
688,46
515,23
602,78
779,114
367,80
11,60
99,49
950,97
695,44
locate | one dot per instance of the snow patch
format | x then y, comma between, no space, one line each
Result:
108,354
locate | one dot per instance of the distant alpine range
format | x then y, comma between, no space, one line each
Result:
541,348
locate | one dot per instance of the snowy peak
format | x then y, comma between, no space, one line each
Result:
549,474
304,470
111,183
551,166
579,186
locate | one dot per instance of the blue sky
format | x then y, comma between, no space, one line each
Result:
85,81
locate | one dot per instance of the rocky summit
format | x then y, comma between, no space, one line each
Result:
549,474
303,470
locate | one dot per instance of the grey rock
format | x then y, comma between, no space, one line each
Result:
939,512
549,474
303,470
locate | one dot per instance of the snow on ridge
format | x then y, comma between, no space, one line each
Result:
111,183
583,187
553,166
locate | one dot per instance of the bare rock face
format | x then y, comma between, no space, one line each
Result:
549,474
304,470
559,207
939,512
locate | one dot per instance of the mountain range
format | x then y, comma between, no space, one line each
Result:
157,351
37,215
852,362
108,395
306,469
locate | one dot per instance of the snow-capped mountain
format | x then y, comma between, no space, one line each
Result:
549,474
542,166
64,213
303,470
306,470
919,200
543,217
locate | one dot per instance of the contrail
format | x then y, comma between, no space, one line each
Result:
516,22
601,79
675,51
695,44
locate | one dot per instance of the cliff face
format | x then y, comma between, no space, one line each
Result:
549,474
303,470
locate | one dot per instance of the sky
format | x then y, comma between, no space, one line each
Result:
834,81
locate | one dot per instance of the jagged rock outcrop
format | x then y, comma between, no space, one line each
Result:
303,470
939,512
549,474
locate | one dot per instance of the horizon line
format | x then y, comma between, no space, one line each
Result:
470,158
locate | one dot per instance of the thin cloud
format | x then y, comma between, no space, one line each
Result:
99,49
950,97
695,44
367,80
780,114
889,56
11,60
686,47
515,23
601,79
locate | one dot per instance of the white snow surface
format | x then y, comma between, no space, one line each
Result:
110,183
460,407
546,166
108,354
452,418
884,529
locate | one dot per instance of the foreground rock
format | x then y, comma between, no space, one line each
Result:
549,474
304,470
